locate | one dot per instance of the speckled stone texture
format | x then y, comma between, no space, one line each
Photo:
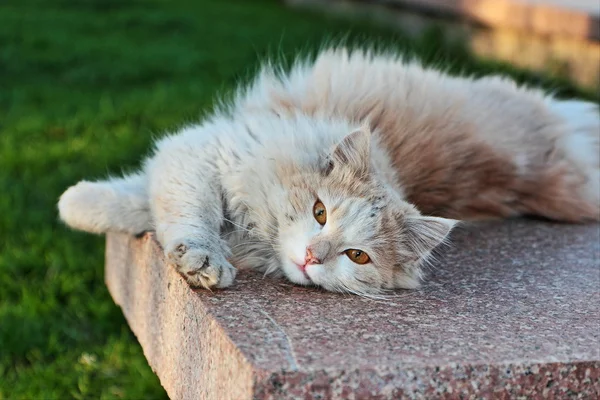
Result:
510,310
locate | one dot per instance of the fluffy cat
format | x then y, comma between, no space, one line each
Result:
348,171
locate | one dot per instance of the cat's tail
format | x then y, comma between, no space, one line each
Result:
115,205
581,143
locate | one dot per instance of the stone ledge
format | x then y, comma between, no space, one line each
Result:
512,310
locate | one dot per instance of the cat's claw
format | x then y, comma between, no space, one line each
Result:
200,266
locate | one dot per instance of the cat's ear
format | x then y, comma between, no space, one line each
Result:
426,233
353,151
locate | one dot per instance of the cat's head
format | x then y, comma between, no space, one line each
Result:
345,229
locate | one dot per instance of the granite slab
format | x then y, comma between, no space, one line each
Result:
510,309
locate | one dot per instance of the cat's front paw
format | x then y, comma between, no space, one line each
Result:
200,265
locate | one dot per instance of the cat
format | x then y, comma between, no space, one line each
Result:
347,172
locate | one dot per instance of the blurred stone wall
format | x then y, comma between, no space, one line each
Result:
558,37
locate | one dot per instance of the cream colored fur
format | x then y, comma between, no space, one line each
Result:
379,142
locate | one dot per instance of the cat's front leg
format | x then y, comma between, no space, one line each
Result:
187,206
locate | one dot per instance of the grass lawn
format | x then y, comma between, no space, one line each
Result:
84,86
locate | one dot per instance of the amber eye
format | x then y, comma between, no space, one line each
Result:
357,256
320,212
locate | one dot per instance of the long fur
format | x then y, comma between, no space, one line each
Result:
396,152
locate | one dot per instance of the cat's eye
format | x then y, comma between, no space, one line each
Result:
358,256
320,212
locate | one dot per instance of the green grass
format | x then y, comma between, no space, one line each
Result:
84,86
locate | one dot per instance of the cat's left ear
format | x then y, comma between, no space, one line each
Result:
353,152
426,233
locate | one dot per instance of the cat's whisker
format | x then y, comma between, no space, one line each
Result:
233,232
262,219
374,296
236,224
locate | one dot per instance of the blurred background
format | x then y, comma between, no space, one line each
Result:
86,84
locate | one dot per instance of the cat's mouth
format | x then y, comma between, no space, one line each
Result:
302,268
296,271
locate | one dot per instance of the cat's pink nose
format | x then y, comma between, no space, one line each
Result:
310,258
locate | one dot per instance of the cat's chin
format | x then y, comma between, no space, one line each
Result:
295,274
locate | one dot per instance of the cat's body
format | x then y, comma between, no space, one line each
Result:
370,144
